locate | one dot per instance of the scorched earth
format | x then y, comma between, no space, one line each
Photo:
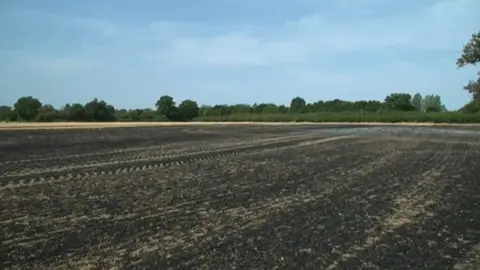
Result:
251,197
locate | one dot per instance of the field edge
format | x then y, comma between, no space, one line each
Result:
88,125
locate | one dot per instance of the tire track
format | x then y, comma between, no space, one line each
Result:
99,190
123,155
25,198
179,212
216,185
117,168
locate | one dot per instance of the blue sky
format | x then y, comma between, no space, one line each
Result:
233,51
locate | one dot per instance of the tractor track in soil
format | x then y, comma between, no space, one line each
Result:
62,162
51,175
162,183
215,185
103,154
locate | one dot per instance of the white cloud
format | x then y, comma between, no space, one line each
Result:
442,26
267,62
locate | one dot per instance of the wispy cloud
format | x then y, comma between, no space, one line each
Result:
441,26
330,49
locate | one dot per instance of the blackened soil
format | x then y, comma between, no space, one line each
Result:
243,198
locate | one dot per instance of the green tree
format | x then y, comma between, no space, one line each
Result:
471,107
47,113
26,108
298,105
75,112
471,56
121,115
270,108
399,102
417,101
241,108
188,109
373,106
99,110
166,106
7,114
147,115
133,115
432,103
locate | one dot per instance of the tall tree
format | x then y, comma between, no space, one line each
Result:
471,107
99,110
7,114
166,106
432,103
471,56
188,109
399,102
75,112
417,101
26,108
298,105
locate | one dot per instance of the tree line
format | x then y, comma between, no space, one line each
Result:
166,109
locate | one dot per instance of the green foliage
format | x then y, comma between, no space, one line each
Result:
471,107
166,106
188,109
75,112
417,102
46,113
471,56
397,107
27,108
7,114
298,105
389,117
399,102
432,103
99,111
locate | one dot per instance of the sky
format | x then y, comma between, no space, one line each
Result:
130,53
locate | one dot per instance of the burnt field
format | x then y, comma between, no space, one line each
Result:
250,197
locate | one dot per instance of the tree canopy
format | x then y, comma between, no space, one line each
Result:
471,56
31,109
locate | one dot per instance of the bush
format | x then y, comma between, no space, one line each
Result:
382,117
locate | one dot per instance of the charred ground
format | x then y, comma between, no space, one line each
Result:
240,197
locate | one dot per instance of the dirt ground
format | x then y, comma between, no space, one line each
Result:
239,197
